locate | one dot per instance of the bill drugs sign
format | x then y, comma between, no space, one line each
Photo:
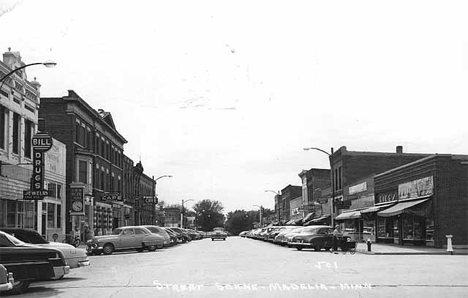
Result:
41,143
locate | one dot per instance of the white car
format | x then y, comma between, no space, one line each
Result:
75,257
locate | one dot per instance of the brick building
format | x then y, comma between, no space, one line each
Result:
423,201
314,182
348,167
288,193
94,160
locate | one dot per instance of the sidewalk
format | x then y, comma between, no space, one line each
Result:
393,249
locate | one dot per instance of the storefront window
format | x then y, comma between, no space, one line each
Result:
368,227
413,227
2,208
59,216
11,214
50,215
29,218
430,231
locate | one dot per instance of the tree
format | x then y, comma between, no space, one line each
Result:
209,214
239,221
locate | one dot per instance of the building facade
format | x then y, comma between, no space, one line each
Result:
423,201
314,182
94,161
288,193
19,104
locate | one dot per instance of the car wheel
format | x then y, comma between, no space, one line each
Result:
160,246
108,249
19,287
327,248
212,239
57,278
224,239
151,248
317,248
299,248
139,249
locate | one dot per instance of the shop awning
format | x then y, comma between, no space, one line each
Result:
320,219
399,208
371,209
349,215
309,216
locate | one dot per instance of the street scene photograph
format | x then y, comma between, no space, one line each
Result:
233,148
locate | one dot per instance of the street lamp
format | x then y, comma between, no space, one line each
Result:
278,195
332,182
155,195
48,64
261,214
182,213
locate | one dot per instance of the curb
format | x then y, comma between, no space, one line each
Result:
412,253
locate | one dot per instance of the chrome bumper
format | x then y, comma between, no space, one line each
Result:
61,270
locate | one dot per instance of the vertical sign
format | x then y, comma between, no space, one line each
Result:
77,199
41,142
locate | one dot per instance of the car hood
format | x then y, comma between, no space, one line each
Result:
105,237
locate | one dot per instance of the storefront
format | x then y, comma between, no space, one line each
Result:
358,221
103,219
422,202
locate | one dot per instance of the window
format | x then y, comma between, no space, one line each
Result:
52,188
59,191
28,132
2,126
339,178
16,132
89,140
77,132
59,216
82,171
140,231
102,178
50,215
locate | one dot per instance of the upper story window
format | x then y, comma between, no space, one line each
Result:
16,133
3,126
82,171
28,133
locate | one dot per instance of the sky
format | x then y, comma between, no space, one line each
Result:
224,95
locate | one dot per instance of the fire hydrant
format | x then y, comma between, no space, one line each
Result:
369,244
449,244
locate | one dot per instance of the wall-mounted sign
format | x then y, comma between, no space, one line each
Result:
41,142
111,197
294,211
386,197
343,204
358,188
416,188
77,200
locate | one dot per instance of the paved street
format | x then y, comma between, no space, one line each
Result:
241,267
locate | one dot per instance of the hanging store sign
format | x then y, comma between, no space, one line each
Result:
416,188
77,200
41,143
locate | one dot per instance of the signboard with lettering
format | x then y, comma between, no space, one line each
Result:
41,142
416,188
77,200
342,204
358,188
386,197
112,197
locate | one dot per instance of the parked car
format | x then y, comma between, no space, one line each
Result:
30,263
284,237
194,234
243,234
75,257
6,279
316,237
175,238
161,232
125,238
185,237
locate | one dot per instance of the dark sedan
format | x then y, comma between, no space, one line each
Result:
318,237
